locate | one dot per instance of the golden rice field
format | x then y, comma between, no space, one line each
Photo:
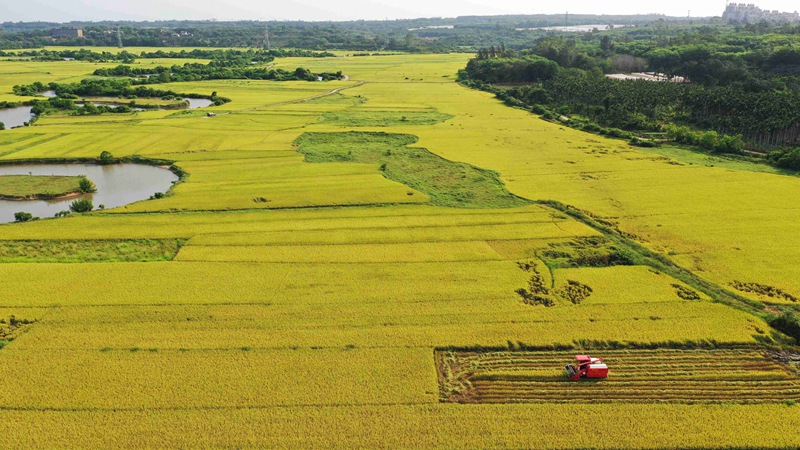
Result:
278,300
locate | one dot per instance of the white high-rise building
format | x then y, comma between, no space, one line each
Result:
750,13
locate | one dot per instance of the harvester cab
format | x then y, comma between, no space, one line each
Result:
586,367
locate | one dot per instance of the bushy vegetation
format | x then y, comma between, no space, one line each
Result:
789,323
250,55
95,87
121,88
24,217
501,66
733,89
86,185
225,70
434,34
82,205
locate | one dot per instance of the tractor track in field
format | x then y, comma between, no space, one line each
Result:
303,100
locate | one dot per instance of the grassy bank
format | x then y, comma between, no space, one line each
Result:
27,187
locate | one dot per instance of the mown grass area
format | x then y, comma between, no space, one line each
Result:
37,186
74,251
447,183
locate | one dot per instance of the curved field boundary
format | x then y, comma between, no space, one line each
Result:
636,376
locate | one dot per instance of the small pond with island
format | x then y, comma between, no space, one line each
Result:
17,116
117,185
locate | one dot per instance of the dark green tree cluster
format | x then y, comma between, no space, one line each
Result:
250,55
735,88
122,88
429,35
23,216
215,70
529,69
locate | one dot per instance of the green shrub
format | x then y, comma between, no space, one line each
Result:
105,158
788,323
81,205
86,186
636,142
786,159
24,217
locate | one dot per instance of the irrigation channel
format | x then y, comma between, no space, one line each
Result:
117,185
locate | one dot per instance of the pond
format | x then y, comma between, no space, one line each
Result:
15,117
117,185
199,102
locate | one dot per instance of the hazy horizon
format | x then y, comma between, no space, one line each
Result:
307,10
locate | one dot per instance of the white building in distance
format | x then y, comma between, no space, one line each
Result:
750,13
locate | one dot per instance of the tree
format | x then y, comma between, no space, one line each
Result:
2,126
24,217
81,205
304,74
709,140
86,186
105,158
606,44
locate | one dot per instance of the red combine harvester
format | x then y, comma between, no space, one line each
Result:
586,367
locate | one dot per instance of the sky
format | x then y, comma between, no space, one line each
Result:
336,10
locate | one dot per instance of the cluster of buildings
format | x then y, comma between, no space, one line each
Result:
750,13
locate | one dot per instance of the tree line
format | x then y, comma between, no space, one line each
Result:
213,71
251,55
727,96
415,35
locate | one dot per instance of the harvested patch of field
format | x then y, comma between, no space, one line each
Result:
637,376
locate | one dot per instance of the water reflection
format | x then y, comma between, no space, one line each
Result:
117,185
15,117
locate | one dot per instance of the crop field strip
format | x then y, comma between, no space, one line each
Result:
85,251
637,376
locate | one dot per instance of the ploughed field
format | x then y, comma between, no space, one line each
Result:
293,289
746,375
